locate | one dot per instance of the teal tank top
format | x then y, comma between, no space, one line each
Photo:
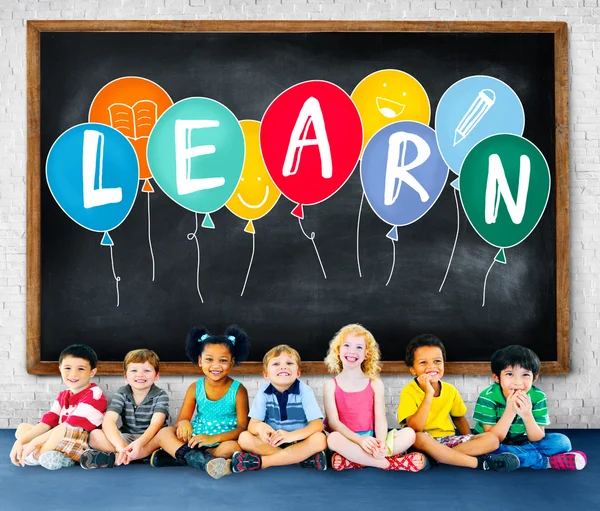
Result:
214,417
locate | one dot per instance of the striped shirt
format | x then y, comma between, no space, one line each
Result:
136,418
490,408
82,410
289,410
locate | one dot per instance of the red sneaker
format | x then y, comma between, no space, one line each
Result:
574,460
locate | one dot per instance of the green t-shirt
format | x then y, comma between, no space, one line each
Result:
492,403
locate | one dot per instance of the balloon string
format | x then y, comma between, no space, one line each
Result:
117,279
393,261
357,234
455,238
192,236
250,265
150,240
485,281
312,238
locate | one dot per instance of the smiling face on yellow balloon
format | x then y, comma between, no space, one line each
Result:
256,193
389,96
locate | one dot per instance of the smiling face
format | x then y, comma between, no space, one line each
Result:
256,193
141,376
428,360
216,361
515,378
282,371
389,96
352,351
76,373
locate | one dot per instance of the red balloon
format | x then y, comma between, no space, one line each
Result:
310,139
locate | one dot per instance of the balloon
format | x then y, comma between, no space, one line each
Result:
196,154
402,172
310,140
256,193
389,96
131,105
472,109
504,186
92,172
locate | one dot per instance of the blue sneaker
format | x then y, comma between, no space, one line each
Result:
53,460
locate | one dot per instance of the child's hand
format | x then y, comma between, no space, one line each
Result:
424,382
184,431
121,458
369,444
27,450
199,440
133,451
380,452
266,433
522,403
16,453
511,402
281,437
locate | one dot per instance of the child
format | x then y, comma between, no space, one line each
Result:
143,408
435,410
516,411
286,424
61,436
355,408
217,403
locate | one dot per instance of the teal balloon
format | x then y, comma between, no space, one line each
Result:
196,154
504,187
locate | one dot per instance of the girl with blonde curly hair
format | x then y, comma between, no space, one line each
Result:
355,408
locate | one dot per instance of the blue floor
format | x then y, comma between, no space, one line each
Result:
143,488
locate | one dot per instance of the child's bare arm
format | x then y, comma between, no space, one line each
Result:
418,420
111,431
37,430
381,424
461,424
313,427
331,412
524,410
500,429
156,424
182,426
261,429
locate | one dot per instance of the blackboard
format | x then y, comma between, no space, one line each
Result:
71,290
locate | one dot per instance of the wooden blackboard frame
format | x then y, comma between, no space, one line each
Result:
34,168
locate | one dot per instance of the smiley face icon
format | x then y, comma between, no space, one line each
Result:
388,96
256,193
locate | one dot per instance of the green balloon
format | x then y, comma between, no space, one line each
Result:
504,187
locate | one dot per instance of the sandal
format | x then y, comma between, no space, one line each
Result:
406,462
337,460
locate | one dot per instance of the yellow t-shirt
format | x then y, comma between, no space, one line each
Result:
447,404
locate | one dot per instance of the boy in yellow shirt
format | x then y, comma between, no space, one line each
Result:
435,411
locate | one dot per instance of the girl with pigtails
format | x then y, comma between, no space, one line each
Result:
214,410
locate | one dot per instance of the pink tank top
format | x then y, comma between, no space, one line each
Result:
356,409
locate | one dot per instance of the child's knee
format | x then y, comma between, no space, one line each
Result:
320,440
421,440
22,429
406,435
491,439
334,441
246,440
96,435
560,442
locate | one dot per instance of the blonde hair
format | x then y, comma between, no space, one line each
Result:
278,350
371,365
141,356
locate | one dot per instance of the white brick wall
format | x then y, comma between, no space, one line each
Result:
574,399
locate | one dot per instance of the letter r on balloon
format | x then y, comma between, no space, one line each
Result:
397,171
184,152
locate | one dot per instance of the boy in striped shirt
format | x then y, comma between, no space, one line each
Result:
143,409
517,413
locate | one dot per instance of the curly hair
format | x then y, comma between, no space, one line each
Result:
234,338
371,365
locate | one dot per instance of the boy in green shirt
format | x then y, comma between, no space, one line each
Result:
517,413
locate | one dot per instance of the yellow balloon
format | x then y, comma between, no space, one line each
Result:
256,193
389,96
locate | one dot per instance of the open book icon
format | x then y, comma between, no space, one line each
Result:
134,121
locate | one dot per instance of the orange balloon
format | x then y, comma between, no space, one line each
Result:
131,105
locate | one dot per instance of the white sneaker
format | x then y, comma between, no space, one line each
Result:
53,460
30,459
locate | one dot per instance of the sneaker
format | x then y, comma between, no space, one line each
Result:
504,462
161,458
574,460
53,460
244,461
218,467
317,461
30,460
93,458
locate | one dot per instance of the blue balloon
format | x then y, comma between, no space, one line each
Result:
472,109
402,172
92,171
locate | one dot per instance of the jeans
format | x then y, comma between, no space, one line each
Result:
535,454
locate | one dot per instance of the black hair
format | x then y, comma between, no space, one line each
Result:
80,351
515,355
234,338
418,342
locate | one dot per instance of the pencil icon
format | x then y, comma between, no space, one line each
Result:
481,104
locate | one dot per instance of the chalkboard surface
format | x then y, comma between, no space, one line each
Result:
287,299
